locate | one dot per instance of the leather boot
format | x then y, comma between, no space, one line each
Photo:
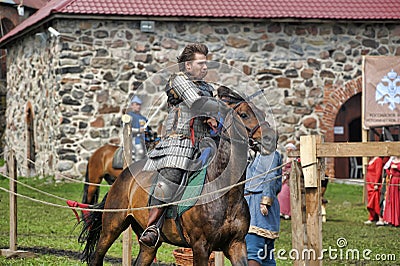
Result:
151,236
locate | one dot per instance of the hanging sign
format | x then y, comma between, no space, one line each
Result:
381,91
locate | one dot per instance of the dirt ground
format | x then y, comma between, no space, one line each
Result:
76,255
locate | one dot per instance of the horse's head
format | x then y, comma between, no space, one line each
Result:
261,136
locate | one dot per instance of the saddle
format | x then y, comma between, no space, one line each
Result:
193,183
118,158
193,189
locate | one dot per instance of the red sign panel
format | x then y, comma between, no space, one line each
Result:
381,91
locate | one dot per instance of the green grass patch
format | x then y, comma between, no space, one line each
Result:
42,227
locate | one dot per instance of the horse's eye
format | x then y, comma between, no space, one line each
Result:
244,115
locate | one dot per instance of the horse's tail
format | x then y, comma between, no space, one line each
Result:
91,228
86,186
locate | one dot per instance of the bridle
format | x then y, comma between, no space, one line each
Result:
251,131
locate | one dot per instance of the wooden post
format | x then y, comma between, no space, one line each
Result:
312,184
12,172
364,132
312,148
127,235
219,258
12,163
297,205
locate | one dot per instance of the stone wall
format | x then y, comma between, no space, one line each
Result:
31,81
80,83
3,107
9,19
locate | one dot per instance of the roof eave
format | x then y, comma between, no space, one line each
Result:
23,32
180,18
224,19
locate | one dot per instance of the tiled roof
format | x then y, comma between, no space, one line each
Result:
306,9
251,9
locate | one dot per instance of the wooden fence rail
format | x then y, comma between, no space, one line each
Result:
305,187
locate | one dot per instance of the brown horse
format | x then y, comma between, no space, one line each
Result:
218,221
100,166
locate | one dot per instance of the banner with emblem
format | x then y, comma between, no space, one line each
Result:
381,91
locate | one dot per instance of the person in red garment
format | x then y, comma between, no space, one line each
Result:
373,179
392,208
284,195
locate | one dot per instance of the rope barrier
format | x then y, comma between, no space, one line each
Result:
35,200
161,205
172,203
35,189
107,185
67,177
156,206
84,182
129,209
361,181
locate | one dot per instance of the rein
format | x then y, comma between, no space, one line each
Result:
228,139
251,131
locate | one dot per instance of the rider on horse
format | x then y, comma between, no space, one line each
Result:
192,111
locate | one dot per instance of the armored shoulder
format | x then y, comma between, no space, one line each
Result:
173,97
175,75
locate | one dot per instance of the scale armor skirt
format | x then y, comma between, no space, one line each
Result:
170,153
177,150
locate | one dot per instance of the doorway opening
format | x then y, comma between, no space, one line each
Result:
348,129
30,140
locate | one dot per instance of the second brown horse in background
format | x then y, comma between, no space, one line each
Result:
100,165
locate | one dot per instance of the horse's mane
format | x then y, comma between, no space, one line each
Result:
229,95
226,168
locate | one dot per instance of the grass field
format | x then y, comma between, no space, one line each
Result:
51,232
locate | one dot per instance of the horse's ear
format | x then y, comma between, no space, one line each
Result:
228,95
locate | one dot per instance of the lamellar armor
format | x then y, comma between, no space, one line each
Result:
184,125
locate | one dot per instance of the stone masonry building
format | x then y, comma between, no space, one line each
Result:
66,93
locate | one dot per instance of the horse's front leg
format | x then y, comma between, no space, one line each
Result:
112,227
146,255
201,254
236,252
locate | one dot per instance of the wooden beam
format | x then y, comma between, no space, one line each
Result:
314,225
364,162
12,252
298,217
308,155
358,149
312,183
219,258
127,235
12,164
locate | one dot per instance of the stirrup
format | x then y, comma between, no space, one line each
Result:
152,229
